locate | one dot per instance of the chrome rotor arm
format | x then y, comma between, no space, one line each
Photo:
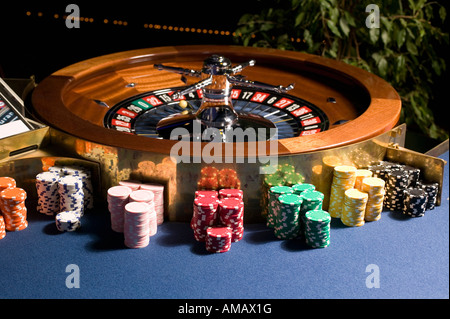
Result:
240,67
239,80
192,88
177,70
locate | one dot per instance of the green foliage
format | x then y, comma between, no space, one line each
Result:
406,49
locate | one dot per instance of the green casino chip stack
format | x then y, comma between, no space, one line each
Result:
287,224
274,193
317,228
312,200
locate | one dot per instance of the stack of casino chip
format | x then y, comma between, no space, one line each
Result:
317,228
158,192
231,214
136,227
397,182
86,177
374,187
300,188
344,177
145,196
228,178
118,197
14,211
287,224
361,174
7,182
71,195
311,200
231,193
218,239
432,190
204,215
2,227
415,202
354,208
208,178
202,194
68,221
48,195
274,193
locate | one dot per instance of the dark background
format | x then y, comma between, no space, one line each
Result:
39,45
33,45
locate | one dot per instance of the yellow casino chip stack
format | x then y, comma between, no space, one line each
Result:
343,179
354,208
374,187
361,174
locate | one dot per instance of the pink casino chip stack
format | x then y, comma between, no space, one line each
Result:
146,196
158,191
137,227
118,197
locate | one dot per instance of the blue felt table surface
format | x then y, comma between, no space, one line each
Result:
412,256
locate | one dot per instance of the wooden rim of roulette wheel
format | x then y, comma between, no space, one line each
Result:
333,104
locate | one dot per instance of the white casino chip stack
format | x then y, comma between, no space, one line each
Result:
68,221
47,190
158,191
71,196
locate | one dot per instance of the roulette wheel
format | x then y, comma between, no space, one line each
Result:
119,110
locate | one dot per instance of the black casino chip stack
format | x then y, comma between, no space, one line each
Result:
432,190
397,182
415,202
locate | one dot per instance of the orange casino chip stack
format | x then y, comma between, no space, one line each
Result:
14,211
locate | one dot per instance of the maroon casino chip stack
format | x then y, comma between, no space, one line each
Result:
218,239
204,216
231,214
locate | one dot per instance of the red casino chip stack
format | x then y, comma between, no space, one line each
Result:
218,239
136,228
14,211
204,216
231,214
231,193
118,197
